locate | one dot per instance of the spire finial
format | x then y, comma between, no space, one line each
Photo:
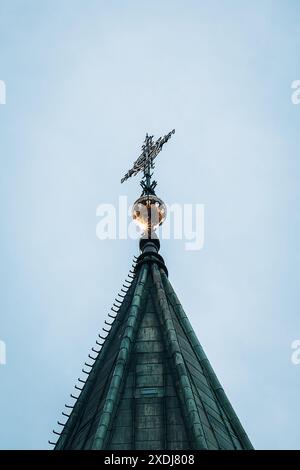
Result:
145,162
148,211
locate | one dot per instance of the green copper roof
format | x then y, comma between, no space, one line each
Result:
151,385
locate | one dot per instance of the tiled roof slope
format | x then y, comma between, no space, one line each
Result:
151,386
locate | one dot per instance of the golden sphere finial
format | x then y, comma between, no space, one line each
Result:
149,212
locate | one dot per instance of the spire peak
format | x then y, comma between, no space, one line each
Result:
150,385
148,210
145,162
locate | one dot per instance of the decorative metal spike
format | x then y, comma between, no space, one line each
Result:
102,337
85,372
61,424
78,388
72,396
82,381
69,406
111,316
91,357
65,414
125,291
116,311
99,344
88,365
52,443
55,432
95,350
106,331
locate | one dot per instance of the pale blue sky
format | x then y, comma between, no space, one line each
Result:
85,81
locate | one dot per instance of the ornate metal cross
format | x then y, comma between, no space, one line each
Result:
145,162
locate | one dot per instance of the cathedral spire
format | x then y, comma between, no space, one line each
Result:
150,384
